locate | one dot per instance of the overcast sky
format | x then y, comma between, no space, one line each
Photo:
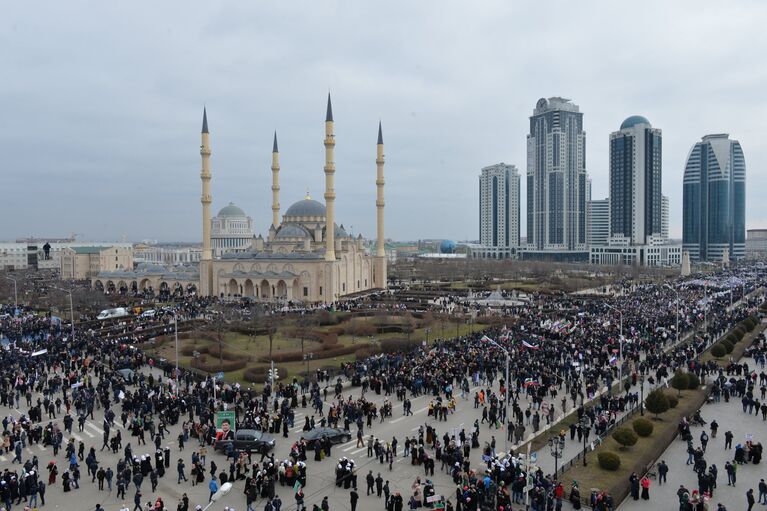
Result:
102,104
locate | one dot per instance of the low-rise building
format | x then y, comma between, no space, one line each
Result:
756,244
81,263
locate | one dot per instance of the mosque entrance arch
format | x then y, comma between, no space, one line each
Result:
98,286
265,290
233,288
144,284
282,289
297,295
248,288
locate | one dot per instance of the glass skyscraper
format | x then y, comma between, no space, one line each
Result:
714,212
636,203
556,182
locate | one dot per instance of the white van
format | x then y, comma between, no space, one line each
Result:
119,312
149,314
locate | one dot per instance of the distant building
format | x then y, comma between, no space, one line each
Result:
166,256
598,224
637,255
231,230
556,182
498,212
42,254
636,204
714,203
756,244
81,263
665,217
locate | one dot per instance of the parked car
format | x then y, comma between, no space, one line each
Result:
248,440
149,314
119,312
336,435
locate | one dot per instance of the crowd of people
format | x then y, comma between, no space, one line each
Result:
561,352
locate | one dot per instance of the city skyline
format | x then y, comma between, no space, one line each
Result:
99,138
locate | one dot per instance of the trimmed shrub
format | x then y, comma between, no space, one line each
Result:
364,352
212,364
657,402
693,381
625,437
728,346
718,350
609,460
672,400
680,381
642,427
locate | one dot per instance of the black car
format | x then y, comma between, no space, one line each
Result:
248,440
336,435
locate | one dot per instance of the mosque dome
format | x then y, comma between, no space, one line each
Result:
292,231
306,207
231,210
632,121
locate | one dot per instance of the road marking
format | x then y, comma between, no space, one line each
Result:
422,409
396,420
93,426
41,447
357,451
3,458
91,435
347,449
77,437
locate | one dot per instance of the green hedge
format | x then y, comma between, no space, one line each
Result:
625,437
642,427
609,460
718,350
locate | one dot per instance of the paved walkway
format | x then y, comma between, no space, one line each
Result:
730,416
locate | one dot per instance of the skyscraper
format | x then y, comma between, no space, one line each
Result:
498,211
665,218
636,203
714,209
598,224
556,182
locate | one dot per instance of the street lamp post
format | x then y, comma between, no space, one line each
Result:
506,381
584,423
677,311
428,331
620,344
15,293
557,447
175,327
71,308
641,401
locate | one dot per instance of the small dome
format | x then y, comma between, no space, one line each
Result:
292,231
632,121
447,247
340,232
231,210
306,207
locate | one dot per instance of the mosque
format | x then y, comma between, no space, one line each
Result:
306,255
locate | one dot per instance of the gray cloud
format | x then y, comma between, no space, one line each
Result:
102,103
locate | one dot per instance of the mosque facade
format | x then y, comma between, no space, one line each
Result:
306,255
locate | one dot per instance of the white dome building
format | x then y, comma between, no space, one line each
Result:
231,230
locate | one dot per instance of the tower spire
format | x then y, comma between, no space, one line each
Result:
204,120
330,193
206,275
329,114
275,183
379,275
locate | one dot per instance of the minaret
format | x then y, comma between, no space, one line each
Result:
275,183
380,261
330,192
206,270
206,197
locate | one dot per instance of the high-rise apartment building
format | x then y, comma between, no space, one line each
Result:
636,204
498,212
598,223
714,200
665,218
556,182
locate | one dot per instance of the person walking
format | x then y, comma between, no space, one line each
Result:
750,499
762,492
137,501
353,498
213,487
662,472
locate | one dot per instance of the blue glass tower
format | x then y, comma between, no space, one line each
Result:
714,212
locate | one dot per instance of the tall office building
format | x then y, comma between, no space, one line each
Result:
665,218
556,182
636,204
498,212
714,200
598,223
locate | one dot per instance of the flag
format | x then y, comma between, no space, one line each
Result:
486,338
528,345
530,381
613,360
